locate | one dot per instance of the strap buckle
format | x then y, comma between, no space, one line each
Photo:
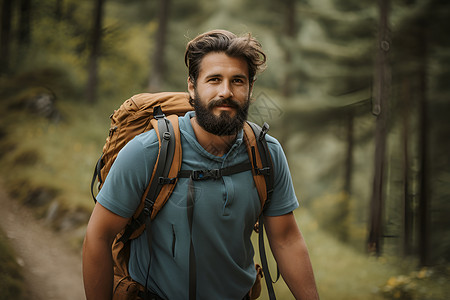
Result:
164,180
206,174
264,171
264,130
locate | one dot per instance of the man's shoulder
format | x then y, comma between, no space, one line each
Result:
272,140
273,144
146,139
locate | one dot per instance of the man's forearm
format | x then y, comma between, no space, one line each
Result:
291,254
97,270
295,267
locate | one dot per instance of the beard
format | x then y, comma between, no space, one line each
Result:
223,124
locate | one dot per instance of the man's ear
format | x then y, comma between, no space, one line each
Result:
250,93
191,87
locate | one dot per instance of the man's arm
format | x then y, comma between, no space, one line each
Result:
290,252
97,259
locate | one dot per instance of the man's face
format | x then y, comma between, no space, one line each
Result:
221,93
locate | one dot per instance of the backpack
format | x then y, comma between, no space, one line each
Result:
160,112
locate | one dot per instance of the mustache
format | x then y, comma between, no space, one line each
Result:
221,102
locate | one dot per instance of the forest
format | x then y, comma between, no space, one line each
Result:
356,91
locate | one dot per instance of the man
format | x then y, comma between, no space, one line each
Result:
222,69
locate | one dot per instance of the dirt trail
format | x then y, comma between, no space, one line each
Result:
52,269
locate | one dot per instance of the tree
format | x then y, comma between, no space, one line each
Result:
290,31
95,46
5,39
158,61
382,86
24,23
59,10
407,201
424,147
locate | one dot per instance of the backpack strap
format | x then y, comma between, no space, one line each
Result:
264,180
197,175
97,174
258,152
164,175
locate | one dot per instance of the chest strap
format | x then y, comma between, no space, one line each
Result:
215,174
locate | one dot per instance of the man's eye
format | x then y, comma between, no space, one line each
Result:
214,79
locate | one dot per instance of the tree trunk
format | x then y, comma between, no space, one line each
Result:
407,201
290,32
24,24
59,10
423,146
158,62
348,176
5,39
96,37
382,80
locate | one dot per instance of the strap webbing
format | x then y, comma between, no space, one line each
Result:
267,171
192,260
148,228
262,253
165,157
215,173
166,151
97,174
264,153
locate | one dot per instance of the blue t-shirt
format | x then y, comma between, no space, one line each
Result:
225,211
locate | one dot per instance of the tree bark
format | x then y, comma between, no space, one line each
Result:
158,62
24,24
424,152
96,37
290,33
59,10
5,39
407,201
348,175
382,80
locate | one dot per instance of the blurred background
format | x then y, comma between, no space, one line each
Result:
355,90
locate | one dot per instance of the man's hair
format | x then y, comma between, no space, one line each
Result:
245,47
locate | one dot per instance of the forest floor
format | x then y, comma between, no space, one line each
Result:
51,268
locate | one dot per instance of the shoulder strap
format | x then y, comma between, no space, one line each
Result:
263,168
258,152
164,175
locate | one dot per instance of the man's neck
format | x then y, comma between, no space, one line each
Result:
214,144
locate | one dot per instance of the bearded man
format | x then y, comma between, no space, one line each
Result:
222,69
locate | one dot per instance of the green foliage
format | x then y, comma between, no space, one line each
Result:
38,149
12,284
423,284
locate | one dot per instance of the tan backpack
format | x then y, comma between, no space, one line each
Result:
160,112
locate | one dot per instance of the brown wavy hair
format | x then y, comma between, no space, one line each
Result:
227,42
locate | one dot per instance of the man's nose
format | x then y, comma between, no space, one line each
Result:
226,90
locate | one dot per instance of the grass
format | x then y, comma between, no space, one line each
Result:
57,156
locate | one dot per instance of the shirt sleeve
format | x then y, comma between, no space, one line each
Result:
129,175
283,199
